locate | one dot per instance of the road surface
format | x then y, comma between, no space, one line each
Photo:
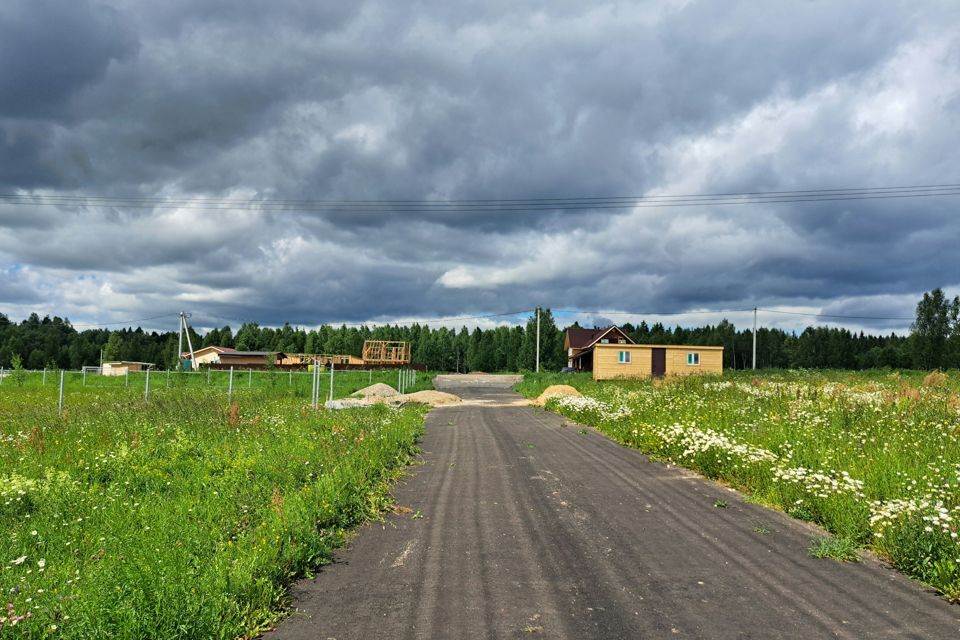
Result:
522,524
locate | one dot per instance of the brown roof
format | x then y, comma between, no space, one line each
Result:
579,338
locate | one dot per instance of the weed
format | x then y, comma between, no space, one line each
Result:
183,513
839,549
761,529
720,504
582,431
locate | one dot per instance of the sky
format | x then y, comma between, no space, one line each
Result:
193,100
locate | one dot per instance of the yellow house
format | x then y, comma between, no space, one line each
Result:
207,355
610,353
611,361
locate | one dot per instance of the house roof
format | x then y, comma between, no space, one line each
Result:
579,338
186,354
241,354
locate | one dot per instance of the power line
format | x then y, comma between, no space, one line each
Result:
397,321
420,207
833,315
124,322
639,313
718,311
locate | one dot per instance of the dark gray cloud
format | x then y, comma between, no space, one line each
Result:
380,100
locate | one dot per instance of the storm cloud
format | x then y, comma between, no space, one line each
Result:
441,100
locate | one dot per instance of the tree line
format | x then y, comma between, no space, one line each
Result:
934,343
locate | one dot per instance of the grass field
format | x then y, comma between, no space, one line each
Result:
874,457
181,517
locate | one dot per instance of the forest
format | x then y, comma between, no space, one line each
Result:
934,342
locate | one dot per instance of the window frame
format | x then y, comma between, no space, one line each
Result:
693,358
623,357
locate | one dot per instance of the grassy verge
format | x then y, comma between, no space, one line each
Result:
181,518
874,457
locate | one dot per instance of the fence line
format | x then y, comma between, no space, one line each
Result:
93,378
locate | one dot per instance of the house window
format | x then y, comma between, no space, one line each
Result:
621,341
693,359
605,341
623,357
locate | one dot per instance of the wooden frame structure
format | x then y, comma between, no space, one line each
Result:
386,352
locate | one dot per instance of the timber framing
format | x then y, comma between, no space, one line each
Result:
386,352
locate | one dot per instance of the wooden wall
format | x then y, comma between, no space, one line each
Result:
607,367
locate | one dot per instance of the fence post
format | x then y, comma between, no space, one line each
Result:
84,376
168,377
249,378
331,380
60,405
290,384
230,396
126,378
44,383
208,376
370,377
1,375
146,393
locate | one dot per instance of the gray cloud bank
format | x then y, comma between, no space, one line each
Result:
440,99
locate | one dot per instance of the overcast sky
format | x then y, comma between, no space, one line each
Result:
440,99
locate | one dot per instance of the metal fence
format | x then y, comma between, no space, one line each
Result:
230,380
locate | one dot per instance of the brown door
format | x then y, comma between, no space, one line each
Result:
659,363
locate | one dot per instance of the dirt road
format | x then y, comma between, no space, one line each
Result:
525,525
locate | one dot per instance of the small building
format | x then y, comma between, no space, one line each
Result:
207,355
301,360
610,354
248,359
224,358
123,367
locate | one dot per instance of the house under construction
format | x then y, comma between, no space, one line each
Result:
376,354
386,353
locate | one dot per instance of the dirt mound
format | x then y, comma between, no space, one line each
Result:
556,390
379,390
432,398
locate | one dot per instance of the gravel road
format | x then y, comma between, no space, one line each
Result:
523,525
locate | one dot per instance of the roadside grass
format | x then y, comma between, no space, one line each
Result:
297,384
839,549
873,457
182,517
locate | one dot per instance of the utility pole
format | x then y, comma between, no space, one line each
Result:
538,339
754,337
184,329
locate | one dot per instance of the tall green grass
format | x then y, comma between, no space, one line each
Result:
182,517
873,456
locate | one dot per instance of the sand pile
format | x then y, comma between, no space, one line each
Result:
556,390
432,398
378,390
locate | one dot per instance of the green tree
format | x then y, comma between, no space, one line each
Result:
113,350
936,323
18,374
